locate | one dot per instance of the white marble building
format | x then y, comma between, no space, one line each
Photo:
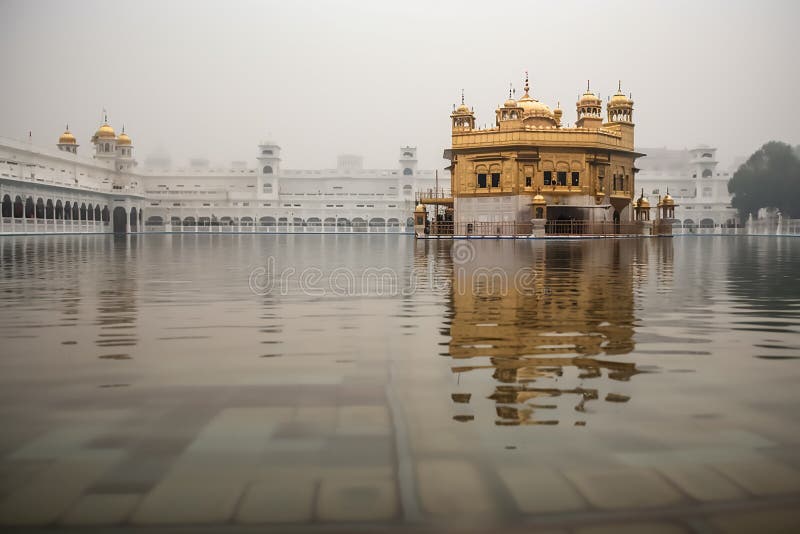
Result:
269,198
44,190
698,187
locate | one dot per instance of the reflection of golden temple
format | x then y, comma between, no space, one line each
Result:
543,333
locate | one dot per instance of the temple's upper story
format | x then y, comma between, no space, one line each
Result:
527,120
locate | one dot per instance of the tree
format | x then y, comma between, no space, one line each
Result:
769,178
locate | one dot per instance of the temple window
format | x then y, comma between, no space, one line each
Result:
482,180
548,177
707,173
267,169
495,179
576,178
528,181
561,178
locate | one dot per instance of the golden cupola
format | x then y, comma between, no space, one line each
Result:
105,132
642,202
123,138
620,107
535,113
67,138
463,118
67,141
589,108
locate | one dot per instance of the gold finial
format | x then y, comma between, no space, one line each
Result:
510,87
619,85
462,97
527,87
587,86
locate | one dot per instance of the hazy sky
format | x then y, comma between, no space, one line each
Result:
322,78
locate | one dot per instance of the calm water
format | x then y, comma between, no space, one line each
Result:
375,381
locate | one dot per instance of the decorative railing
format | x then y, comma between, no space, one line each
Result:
480,228
434,194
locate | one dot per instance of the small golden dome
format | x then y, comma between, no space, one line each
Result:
105,132
67,138
463,108
667,200
510,103
643,202
419,209
619,98
123,139
589,98
538,199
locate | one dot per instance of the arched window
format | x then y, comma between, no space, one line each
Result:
267,169
407,171
107,148
408,154
707,173
8,207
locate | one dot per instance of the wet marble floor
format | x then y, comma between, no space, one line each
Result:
374,383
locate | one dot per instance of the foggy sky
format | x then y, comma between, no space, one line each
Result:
323,78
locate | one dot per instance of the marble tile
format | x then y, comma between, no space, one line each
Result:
540,490
49,493
352,497
453,489
98,509
634,528
623,487
701,483
363,420
285,497
773,521
762,476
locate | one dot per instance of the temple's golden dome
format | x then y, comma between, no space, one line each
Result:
67,138
510,103
539,199
463,108
123,139
643,202
531,106
589,98
105,132
619,98
420,208
667,200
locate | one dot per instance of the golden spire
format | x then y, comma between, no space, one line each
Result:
462,97
527,87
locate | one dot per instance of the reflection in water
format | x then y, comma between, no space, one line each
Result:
544,317
143,382
116,300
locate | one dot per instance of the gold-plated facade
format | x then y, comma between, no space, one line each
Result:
584,172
